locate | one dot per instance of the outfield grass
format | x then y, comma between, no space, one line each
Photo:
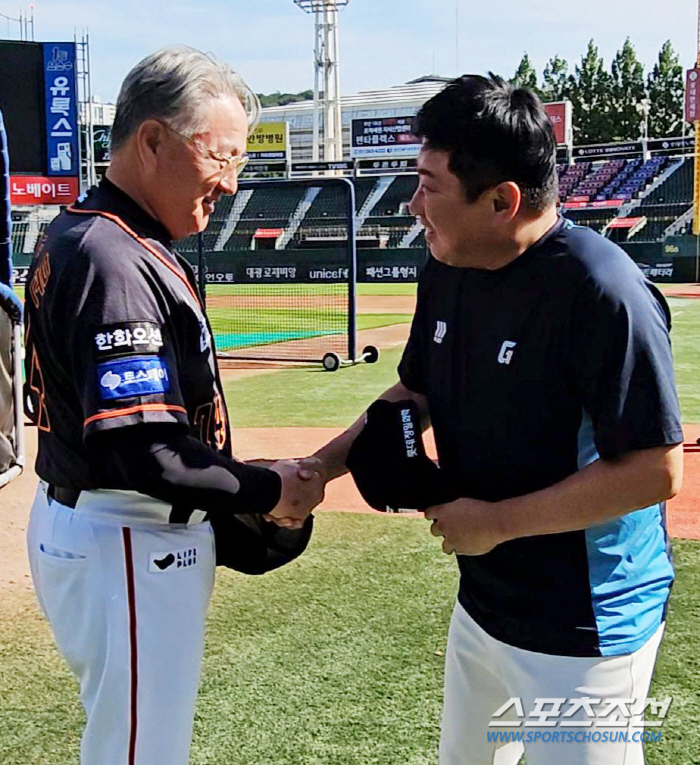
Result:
232,321
309,397
335,660
685,334
247,290
290,398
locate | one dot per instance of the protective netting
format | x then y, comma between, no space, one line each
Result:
279,260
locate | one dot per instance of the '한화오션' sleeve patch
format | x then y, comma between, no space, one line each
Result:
127,338
133,376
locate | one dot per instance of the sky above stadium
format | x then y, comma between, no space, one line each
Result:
382,42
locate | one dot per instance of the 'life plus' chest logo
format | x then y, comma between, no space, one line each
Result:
505,355
440,332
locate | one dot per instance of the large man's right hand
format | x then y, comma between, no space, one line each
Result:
302,491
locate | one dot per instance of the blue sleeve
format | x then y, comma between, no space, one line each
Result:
621,362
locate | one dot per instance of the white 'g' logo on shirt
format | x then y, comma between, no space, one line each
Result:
506,352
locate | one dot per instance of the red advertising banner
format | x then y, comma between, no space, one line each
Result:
40,190
625,222
692,95
560,117
593,205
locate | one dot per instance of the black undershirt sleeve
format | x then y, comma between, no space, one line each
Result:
165,462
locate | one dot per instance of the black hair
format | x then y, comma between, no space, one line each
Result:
494,132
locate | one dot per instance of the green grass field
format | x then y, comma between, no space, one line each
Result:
338,658
685,333
335,660
218,290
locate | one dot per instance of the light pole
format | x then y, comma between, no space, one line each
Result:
326,71
644,109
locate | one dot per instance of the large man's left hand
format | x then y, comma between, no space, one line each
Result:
469,526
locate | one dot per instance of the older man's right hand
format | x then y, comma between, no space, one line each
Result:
302,491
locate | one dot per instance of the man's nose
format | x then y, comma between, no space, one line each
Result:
228,183
414,206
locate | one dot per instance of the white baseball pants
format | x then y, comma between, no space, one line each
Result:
483,674
126,595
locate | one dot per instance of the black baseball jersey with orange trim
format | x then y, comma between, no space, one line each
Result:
116,336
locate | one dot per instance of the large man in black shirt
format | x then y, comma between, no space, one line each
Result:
542,359
134,441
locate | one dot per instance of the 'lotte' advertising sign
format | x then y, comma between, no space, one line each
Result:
61,109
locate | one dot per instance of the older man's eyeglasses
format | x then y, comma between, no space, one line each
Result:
228,163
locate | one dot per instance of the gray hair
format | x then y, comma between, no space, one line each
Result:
171,85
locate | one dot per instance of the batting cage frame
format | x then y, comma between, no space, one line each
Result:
12,453
254,292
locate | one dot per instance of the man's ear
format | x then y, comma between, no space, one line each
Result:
507,199
149,140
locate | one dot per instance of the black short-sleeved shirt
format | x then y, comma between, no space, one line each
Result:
531,372
116,336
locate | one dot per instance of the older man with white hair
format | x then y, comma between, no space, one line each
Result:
134,442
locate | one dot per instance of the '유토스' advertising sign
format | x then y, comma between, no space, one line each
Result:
61,109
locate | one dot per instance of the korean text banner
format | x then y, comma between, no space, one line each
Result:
61,109
270,140
692,95
386,137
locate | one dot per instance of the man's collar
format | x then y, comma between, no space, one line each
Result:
108,197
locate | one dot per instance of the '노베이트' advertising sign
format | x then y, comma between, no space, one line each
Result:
386,136
269,140
42,190
61,109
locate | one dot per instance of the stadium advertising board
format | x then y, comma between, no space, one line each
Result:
270,140
61,109
313,266
394,165
22,104
658,272
19,274
676,145
692,95
560,115
384,137
311,167
607,150
101,137
42,190
255,168
581,203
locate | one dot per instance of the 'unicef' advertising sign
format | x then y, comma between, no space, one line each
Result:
61,109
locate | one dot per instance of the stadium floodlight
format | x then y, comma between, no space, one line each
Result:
319,5
326,77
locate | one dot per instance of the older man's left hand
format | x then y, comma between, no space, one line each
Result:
469,526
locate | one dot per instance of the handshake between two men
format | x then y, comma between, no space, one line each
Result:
385,454
386,458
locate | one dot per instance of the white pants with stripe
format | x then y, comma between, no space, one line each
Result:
127,604
483,674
